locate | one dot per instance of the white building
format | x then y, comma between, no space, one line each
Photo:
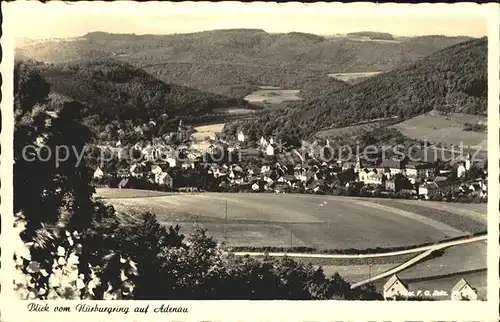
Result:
98,173
132,169
394,287
172,162
156,170
461,170
467,162
270,150
241,137
371,177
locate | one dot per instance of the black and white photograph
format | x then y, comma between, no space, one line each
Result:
239,154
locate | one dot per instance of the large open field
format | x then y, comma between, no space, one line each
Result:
445,129
324,222
203,131
353,78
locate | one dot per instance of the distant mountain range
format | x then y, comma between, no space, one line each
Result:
234,62
451,80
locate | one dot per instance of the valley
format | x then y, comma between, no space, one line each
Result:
258,99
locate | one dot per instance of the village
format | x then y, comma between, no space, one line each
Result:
214,164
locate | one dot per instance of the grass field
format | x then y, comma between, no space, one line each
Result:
333,223
324,222
353,78
235,111
274,96
466,257
471,218
444,129
203,131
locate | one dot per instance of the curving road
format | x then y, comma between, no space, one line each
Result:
355,256
418,258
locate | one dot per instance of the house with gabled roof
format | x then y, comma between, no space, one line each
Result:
155,169
390,167
165,179
463,291
419,169
394,287
98,173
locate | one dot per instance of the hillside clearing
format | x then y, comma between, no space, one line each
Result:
203,131
273,96
445,129
352,78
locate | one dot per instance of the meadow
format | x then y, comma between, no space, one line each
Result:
445,129
284,220
273,96
353,78
209,130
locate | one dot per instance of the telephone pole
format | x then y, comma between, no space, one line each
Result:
291,238
225,222
369,273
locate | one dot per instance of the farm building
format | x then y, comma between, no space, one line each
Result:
394,287
463,291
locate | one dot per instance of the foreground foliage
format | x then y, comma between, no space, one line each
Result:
71,246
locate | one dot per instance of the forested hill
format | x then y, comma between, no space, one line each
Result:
234,62
113,90
453,80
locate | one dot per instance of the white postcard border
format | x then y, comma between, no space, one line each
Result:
14,310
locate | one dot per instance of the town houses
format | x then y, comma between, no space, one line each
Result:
268,168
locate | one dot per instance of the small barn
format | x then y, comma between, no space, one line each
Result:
462,291
395,287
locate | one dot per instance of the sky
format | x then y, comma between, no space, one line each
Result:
59,19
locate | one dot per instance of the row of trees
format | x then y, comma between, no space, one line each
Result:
72,246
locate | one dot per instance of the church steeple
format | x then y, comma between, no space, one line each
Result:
358,163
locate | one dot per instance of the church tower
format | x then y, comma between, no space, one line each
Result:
359,164
467,162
